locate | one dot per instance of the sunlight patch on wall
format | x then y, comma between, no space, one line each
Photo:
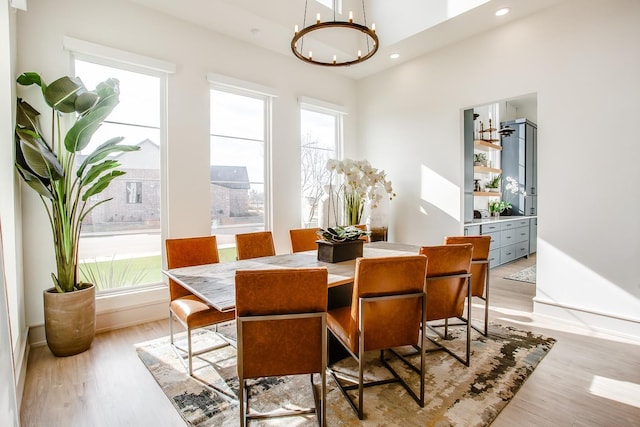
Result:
439,192
620,391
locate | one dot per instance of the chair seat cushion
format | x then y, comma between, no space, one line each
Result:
339,321
194,313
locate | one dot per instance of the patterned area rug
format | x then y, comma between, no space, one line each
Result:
527,275
455,395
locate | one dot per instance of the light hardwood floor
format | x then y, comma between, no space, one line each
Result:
583,381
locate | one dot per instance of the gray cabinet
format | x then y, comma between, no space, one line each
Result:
519,161
510,238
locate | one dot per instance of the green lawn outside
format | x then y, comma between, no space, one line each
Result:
120,273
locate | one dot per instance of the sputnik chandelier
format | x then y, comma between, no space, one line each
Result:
367,40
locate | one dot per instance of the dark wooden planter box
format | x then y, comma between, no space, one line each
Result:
338,252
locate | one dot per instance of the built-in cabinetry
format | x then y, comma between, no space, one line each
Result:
519,161
511,238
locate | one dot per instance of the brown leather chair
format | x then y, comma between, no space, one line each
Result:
387,310
282,330
447,286
479,270
190,310
303,239
255,245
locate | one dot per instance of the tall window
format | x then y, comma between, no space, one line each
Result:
120,243
320,140
239,129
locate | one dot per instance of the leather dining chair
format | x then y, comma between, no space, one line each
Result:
303,239
255,245
187,308
387,310
447,286
479,271
282,331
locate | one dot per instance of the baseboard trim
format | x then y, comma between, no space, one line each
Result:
619,326
116,311
21,357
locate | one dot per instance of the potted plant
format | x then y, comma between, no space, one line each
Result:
67,191
493,184
480,159
496,207
340,243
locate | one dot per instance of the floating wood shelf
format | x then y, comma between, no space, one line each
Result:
486,193
483,144
484,169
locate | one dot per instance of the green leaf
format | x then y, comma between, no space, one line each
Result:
37,155
35,182
98,170
61,94
102,183
103,150
26,116
79,136
29,78
85,101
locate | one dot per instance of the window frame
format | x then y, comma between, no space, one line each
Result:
239,87
127,61
322,107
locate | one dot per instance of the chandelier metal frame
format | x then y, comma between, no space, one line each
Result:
319,26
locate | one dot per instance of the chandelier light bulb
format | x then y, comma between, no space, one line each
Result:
350,16
318,18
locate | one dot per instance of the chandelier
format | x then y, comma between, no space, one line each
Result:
365,46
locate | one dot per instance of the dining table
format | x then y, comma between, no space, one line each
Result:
215,283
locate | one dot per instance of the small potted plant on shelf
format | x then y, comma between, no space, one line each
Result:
340,243
496,207
493,185
479,159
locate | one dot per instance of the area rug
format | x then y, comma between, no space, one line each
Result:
455,395
527,275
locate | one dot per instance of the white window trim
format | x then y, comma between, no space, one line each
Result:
245,88
97,51
144,303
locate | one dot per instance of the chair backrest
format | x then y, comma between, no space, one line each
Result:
390,322
446,295
480,259
254,245
281,315
364,228
303,239
185,252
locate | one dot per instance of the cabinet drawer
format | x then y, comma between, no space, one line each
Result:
488,228
494,258
521,234
472,230
522,249
495,239
507,237
507,253
514,224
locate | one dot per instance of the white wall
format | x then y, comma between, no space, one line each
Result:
578,54
195,51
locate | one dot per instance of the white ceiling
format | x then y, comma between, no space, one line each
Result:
408,27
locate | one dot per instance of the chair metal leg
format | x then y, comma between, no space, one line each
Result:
189,351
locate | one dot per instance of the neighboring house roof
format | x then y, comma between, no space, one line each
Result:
233,177
124,157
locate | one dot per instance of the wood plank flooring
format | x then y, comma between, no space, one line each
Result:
109,386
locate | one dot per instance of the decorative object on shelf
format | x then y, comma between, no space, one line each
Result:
480,159
493,184
67,192
360,182
364,38
340,243
496,207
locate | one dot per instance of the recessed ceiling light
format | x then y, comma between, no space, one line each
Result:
503,11
394,56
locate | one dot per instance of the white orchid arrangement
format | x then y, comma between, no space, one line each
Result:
360,181
512,188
